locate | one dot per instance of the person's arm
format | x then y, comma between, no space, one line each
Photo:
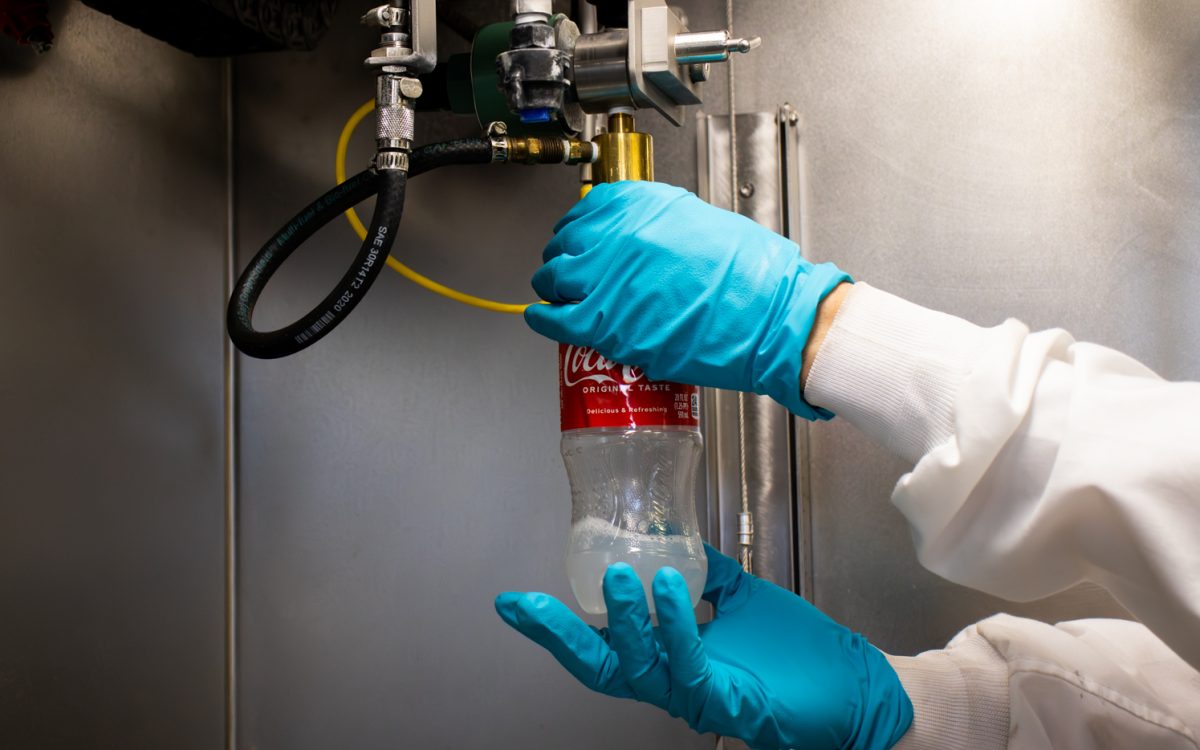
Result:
774,671
1040,462
826,313
770,669
1008,682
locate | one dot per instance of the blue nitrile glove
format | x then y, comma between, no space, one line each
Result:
770,669
684,290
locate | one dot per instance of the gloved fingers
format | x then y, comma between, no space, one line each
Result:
606,210
576,646
690,667
632,636
572,240
564,278
585,226
559,322
726,586
596,199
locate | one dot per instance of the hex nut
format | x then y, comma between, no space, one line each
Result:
528,35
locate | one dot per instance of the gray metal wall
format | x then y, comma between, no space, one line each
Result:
991,158
987,158
112,219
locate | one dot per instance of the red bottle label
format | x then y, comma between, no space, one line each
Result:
597,392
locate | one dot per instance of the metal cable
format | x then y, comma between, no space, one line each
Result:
745,518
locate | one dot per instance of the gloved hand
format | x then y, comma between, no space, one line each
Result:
682,289
770,669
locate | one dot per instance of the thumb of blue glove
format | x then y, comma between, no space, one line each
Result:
770,669
650,275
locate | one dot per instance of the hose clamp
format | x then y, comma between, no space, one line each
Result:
497,133
392,161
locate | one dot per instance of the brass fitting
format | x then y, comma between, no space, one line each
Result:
523,150
624,153
550,151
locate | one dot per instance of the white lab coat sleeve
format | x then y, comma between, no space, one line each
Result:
1040,462
1020,684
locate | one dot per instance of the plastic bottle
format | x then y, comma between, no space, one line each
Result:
631,448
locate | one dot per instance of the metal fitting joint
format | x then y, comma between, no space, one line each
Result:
506,149
409,39
395,119
745,529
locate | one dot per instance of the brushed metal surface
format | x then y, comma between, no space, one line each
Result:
987,158
991,159
406,469
111,237
768,450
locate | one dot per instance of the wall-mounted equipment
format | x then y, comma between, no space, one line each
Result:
532,81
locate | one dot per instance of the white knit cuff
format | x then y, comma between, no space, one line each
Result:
960,697
892,369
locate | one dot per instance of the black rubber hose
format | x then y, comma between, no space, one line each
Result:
371,258
350,288
450,153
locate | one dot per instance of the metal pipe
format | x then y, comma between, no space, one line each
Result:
230,412
710,46
745,518
532,11
602,71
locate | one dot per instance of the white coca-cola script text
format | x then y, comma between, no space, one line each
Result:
583,364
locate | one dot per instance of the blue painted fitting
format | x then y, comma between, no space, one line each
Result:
535,115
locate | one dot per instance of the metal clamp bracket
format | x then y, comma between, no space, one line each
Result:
414,49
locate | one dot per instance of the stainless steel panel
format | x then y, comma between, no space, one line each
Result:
406,469
991,159
764,457
111,242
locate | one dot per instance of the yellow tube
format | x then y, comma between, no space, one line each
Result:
339,168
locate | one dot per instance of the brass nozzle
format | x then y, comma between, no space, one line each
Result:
620,122
624,153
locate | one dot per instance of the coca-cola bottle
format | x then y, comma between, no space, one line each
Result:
631,447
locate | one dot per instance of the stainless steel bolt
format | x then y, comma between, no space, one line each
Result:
410,88
746,190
